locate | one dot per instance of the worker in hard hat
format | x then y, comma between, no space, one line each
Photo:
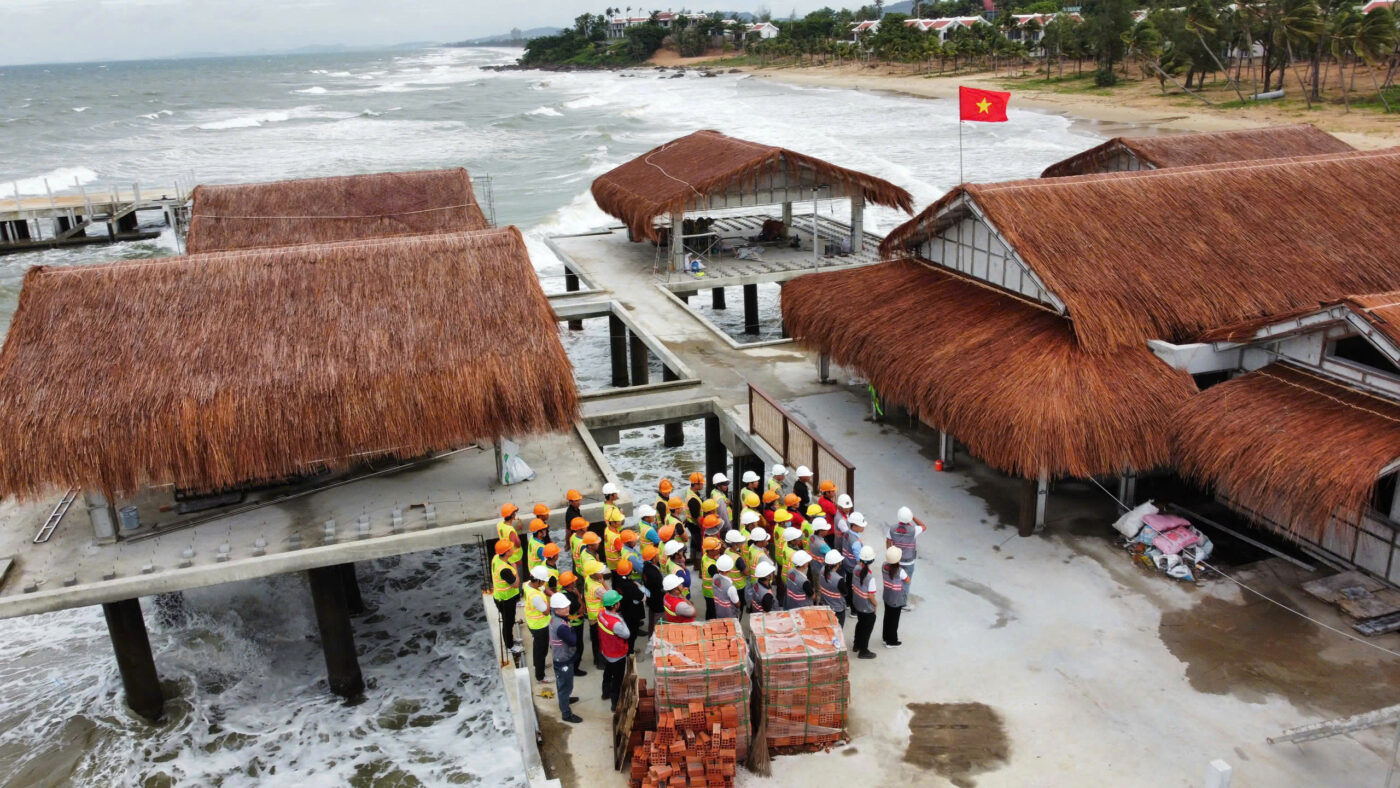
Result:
550,554
578,615
826,499
658,537
726,596
778,481
802,488
694,497
676,609
673,563
651,583
749,501
814,510
770,506
647,517
634,600
751,481
787,540
592,549
833,585
865,584
534,552
563,645
797,584
763,598
505,589
748,520
611,512
664,490
577,528
793,506
573,500
676,514
615,638
817,543
542,514
845,507
709,522
896,582
904,535
734,547
757,552
855,542
631,552
537,619
505,529
712,549
612,537
719,493
594,588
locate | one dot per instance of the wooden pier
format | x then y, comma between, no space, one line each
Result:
69,219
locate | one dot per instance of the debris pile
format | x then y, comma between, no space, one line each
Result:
804,677
1165,542
695,747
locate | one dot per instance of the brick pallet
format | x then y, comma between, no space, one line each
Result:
696,747
702,670
804,672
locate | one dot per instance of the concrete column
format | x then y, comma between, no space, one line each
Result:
782,321
857,222
677,240
1025,514
1127,489
717,298
617,339
337,638
128,223
353,601
571,285
787,218
61,225
715,455
824,368
945,449
134,661
673,435
1042,495
19,230
641,374
750,309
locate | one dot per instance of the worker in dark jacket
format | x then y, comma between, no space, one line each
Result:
802,488
651,581
634,606
563,646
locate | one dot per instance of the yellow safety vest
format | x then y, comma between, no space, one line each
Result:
534,557
646,528
534,619
691,495
740,580
576,548
575,618
723,501
707,583
783,554
505,530
593,598
553,573
609,509
610,547
500,589
669,567
756,554
775,486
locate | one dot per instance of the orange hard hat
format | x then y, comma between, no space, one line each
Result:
675,503
628,537
537,525
503,546
551,550
566,578
578,524
591,538
790,499
710,543
624,567
666,532
827,485
508,509
648,552
697,478
665,487
541,510
770,497
573,495
710,521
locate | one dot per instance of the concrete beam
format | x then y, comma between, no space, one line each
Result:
641,369
134,661
617,341
337,637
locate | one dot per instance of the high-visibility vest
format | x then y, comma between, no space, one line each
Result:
691,495
783,553
576,548
775,486
707,583
724,606
862,600
612,646
563,654
645,528
905,536
757,594
535,555
740,580
896,588
611,514
792,589
722,502
756,555
634,557
500,588
850,550
553,574
669,602
611,545
593,597
536,619
829,582
506,531
576,608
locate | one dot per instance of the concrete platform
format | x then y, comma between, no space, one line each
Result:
72,570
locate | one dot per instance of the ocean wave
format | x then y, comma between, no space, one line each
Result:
314,90
58,180
256,118
81,109
585,102
157,114
548,112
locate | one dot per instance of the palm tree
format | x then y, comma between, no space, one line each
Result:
1376,38
1343,29
1200,19
1297,20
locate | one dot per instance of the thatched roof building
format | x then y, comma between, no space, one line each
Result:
1289,445
1003,374
213,370
1184,150
1168,254
708,169
328,210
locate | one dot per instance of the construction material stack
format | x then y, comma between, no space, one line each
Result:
705,666
695,747
804,678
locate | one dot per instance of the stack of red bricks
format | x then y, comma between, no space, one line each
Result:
696,748
702,677
804,673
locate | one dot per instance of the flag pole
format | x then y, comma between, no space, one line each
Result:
960,162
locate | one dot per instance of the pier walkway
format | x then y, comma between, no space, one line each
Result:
63,219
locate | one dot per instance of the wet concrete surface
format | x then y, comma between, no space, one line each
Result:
554,747
956,740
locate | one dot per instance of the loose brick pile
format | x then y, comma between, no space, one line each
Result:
804,673
704,666
696,747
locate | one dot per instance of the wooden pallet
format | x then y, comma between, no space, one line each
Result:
1379,626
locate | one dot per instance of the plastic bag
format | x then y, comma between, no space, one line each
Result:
1131,522
513,469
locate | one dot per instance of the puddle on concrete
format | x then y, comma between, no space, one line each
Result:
956,740
1001,603
1254,650
554,749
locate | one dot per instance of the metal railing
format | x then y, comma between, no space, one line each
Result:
797,443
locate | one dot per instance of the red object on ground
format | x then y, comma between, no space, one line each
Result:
988,106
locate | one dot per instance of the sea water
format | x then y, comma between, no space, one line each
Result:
243,669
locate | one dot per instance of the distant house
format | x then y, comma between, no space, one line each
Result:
765,30
1374,4
860,30
1185,150
617,26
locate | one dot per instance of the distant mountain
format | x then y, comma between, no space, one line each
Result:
513,37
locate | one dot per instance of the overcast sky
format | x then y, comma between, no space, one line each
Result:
46,31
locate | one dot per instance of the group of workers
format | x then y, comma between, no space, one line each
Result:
787,546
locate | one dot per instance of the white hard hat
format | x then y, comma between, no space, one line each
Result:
645,511
540,572
734,536
791,534
867,553
904,515
749,517
673,547
820,524
857,519
758,534
724,563
719,478
750,477
671,582
801,557
893,555
558,601
779,470
764,569
844,501
833,558
610,489
803,472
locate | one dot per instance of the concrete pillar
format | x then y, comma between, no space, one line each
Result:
641,373
684,296
353,601
61,225
857,222
571,285
945,449
717,298
824,368
782,321
19,230
750,309
673,435
617,339
1025,513
128,223
1127,489
337,638
134,661
677,240
716,457
787,218
1042,496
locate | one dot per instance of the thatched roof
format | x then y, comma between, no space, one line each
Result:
1167,254
327,210
1004,376
1289,445
1213,147
668,178
212,370
1380,310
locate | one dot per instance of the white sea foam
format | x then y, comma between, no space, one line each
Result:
61,179
158,114
314,90
81,109
548,112
256,118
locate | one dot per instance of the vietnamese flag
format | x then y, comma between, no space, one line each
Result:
984,105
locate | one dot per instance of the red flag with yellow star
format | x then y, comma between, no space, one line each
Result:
985,105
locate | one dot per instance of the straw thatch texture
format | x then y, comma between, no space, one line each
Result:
1005,377
328,210
212,370
1167,254
1213,147
1291,446
668,178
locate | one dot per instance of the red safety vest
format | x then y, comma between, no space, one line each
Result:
671,616
613,647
